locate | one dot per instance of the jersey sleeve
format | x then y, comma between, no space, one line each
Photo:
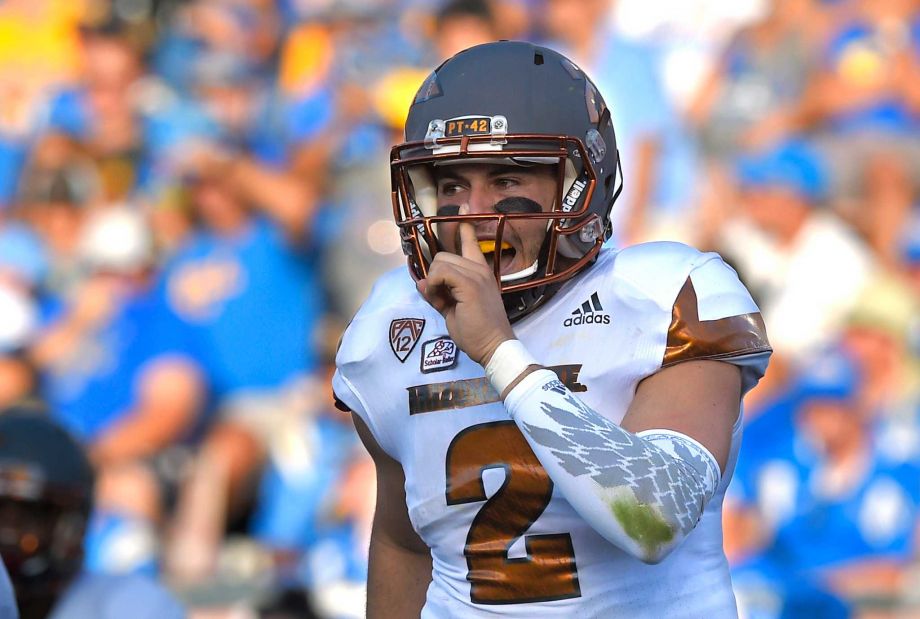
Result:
714,317
363,381
353,363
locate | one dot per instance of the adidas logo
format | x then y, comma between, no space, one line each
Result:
590,313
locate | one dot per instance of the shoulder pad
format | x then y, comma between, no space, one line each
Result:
658,269
394,289
712,313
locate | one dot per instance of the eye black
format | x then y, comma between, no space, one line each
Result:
448,210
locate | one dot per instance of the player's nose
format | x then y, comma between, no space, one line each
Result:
481,200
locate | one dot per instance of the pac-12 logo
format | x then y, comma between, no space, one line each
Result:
438,354
404,334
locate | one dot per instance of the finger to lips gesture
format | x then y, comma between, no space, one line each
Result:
463,290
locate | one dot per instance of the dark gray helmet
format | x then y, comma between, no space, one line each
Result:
520,104
46,492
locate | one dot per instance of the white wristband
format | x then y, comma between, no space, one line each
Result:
508,361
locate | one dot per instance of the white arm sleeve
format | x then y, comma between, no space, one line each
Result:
644,493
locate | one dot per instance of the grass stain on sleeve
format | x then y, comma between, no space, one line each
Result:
643,524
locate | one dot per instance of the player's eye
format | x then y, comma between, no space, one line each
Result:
505,183
449,189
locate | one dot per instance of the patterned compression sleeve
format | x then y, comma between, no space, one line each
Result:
642,492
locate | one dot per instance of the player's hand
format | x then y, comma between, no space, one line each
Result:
463,289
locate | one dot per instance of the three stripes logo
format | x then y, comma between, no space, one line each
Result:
590,313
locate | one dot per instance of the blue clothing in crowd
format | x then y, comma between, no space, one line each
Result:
98,596
91,390
163,132
13,154
281,126
251,302
813,524
297,505
875,519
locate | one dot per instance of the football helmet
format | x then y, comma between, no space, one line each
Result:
518,104
46,489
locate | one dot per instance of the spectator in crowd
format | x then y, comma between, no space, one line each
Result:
124,123
316,503
658,184
251,251
864,104
803,265
115,373
833,460
56,191
754,94
46,496
880,338
358,243
103,111
259,138
255,113
461,24
752,98
361,243
22,267
38,52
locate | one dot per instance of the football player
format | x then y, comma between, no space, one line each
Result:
554,423
46,489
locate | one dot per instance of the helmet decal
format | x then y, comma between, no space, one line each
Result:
571,198
494,126
429,89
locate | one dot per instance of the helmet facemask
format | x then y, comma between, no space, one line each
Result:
41,534
573,237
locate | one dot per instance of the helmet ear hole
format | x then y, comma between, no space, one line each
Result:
537,58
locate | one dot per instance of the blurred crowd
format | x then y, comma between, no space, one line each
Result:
195,198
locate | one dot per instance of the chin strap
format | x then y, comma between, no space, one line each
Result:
642,492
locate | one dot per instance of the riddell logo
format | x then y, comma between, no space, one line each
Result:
571,198
590,313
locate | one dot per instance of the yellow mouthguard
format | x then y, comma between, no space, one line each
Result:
489,246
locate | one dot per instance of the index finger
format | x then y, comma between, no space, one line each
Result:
469,244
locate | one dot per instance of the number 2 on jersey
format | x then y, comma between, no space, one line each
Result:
548,571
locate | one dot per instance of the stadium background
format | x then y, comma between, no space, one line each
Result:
194,198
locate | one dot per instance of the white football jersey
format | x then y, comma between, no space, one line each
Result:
504,542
